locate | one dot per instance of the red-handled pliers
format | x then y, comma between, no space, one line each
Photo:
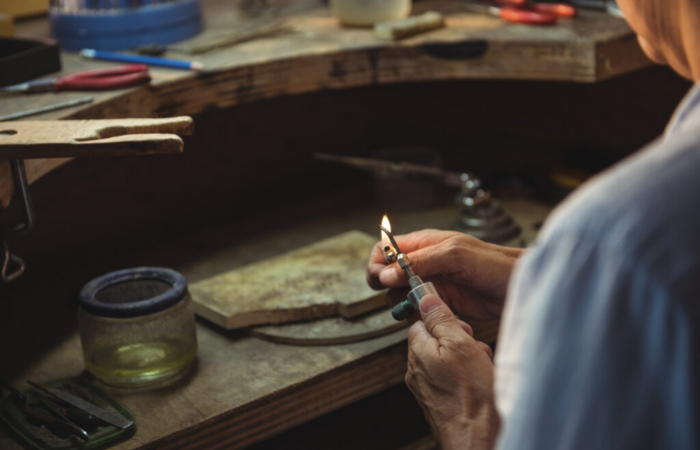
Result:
522,11
558,9
118,77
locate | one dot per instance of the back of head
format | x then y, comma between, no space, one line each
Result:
668,32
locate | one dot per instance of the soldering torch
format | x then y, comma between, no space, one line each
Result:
419,289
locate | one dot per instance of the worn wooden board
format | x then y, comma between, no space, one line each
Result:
320,280
332,330
78,138
321,55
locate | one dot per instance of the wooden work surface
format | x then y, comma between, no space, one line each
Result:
320,55
245,389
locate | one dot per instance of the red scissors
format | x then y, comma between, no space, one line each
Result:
118,77
524,11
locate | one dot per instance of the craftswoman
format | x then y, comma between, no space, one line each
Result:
600,328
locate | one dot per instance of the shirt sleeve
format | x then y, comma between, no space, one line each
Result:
594,353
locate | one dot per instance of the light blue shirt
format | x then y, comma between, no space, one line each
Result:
600,340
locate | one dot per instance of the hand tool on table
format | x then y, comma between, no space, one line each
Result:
108,78
562,10
108,417
141,59
515,13
70,413
419,289
55,420
213,39
59,414
45,109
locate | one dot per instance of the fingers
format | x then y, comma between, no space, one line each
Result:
407,243
423,238
376,264
426,262
439,320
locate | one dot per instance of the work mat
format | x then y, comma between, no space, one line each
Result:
324,279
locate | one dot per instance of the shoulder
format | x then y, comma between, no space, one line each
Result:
646,209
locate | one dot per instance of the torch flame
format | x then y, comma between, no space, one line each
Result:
386,224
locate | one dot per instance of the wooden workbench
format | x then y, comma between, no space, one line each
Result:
321,55
243,389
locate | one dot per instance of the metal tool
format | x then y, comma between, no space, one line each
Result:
408,170
71,413
62,418
108,417
12,265
482,216
119,77
223,38
44,109
56,420
390,254
419,289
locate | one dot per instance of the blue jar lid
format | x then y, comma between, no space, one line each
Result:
133,292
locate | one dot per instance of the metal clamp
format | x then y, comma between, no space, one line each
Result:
12,265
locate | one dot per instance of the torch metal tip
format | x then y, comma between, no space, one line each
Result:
391,238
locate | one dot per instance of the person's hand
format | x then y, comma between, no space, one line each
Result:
471,273
451,376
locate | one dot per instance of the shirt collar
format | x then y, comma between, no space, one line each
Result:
689,107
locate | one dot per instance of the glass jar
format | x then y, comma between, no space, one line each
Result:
369,12
137,326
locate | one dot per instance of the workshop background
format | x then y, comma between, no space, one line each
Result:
281,92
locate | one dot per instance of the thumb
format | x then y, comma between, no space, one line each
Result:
438,319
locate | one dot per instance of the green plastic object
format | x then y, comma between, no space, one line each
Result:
35,437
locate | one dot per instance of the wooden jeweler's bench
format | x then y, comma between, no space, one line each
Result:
244,388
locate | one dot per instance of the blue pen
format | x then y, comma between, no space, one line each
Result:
140,59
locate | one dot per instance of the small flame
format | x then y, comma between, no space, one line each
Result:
386,224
